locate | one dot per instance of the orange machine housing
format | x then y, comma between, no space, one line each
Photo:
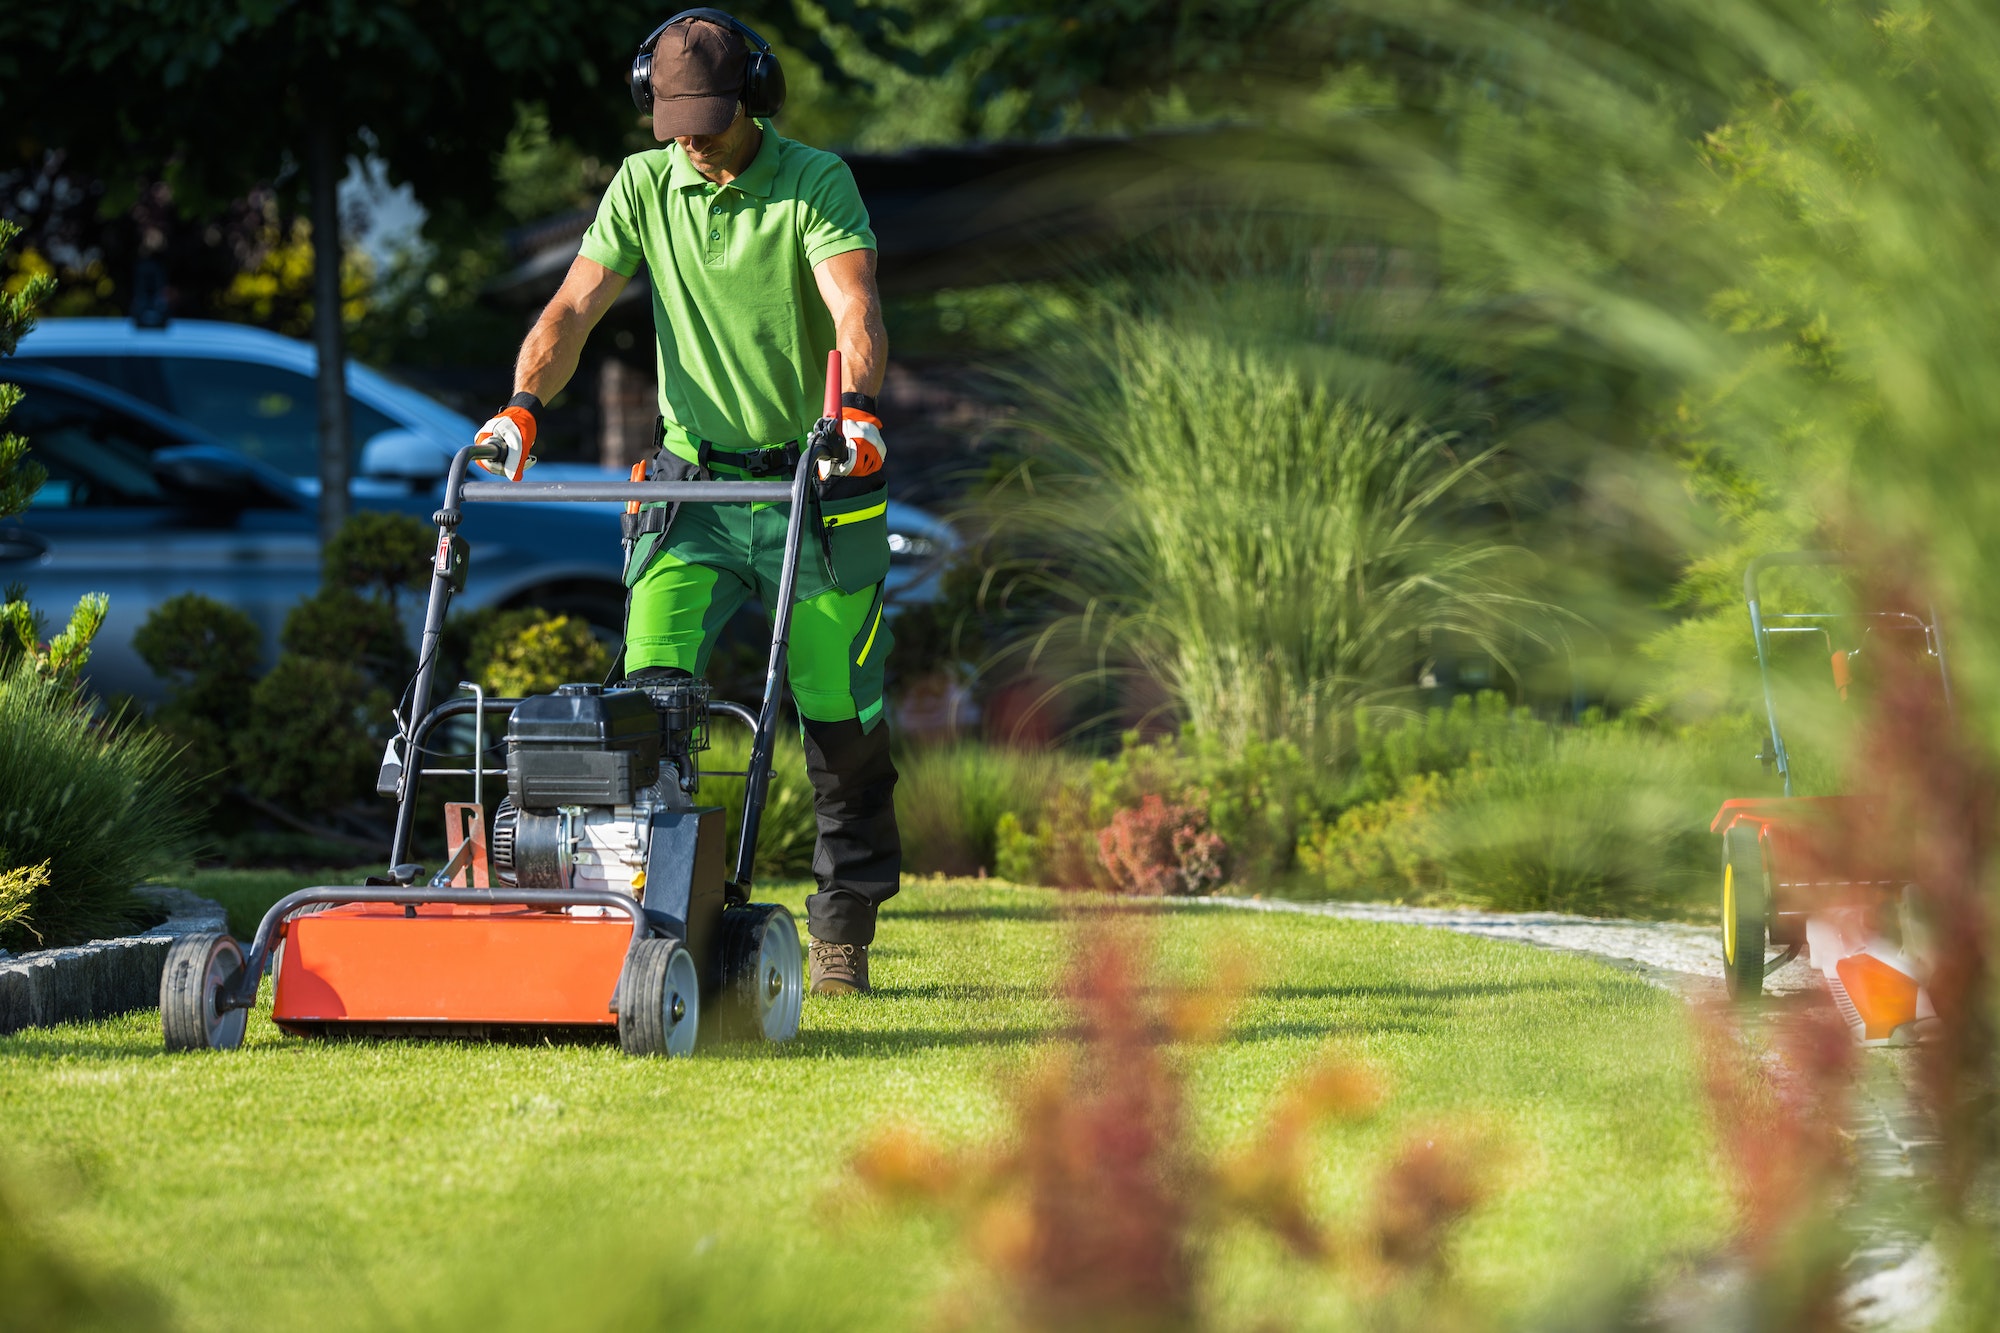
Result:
449,965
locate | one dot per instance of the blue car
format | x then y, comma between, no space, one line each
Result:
184,459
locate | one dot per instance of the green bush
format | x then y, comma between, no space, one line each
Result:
1614,821
380,554
517,653
951,801
313,738
1378,849
20,476
1391,749
98,805
207,653
339,624
1607,819
309,735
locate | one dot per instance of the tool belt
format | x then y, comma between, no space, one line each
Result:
644,527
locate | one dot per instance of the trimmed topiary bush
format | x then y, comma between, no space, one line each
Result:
314,735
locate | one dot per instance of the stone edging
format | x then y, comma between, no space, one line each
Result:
103,977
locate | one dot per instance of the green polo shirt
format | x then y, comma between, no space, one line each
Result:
743,332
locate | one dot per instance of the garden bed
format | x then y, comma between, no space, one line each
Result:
103,977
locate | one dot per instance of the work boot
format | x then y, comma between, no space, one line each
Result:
839,969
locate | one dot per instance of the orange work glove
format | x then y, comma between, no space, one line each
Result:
513,433
862,430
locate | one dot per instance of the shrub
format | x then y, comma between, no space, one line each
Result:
98,806
309,735
314,735
379,553
339,624
17,889
60,660
1598,818
951,799
20,476
1391,749
518,653
1257,796
1378,849
1613,821
1161,849
207,653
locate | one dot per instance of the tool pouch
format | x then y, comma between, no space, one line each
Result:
853,524
645,532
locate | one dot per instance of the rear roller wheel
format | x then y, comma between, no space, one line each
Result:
659,1000
199,969
763,973
1745,903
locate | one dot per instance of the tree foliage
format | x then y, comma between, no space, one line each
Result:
20,476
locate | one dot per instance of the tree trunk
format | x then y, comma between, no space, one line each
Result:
328,336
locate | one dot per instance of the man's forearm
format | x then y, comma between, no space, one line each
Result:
864,348
550,352
549,355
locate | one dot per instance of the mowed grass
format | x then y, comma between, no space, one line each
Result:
428,1185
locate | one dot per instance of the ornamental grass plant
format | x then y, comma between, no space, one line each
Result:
1217,517
96,806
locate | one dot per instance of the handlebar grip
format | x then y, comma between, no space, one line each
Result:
832,385
485,451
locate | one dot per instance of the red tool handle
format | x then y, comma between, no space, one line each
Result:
832,412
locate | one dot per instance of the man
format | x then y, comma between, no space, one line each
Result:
761,260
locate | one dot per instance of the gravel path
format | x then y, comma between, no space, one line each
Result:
1895,1280
1682,958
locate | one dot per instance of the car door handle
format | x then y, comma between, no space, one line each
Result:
21,544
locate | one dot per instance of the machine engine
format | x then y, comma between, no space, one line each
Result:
601,785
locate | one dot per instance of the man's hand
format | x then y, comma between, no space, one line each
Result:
513,434
862,430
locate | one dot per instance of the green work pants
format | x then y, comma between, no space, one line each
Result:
720,557
717,558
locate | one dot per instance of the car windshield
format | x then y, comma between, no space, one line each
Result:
269,413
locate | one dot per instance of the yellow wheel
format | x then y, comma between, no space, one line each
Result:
1745,903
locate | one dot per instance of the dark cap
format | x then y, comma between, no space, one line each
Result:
697,78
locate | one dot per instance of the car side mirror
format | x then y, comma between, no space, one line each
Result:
404,455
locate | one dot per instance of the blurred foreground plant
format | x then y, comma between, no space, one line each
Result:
47,1292
1100,1210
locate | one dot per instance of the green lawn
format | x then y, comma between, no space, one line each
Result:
455,1185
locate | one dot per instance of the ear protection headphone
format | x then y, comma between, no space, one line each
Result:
763,80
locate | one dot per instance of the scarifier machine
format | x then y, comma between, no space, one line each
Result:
601,899
1794,876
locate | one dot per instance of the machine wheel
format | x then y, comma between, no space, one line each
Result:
198,967
1745,902
763,973
659,1000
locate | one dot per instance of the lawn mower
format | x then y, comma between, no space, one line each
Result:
1796,874
599,901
